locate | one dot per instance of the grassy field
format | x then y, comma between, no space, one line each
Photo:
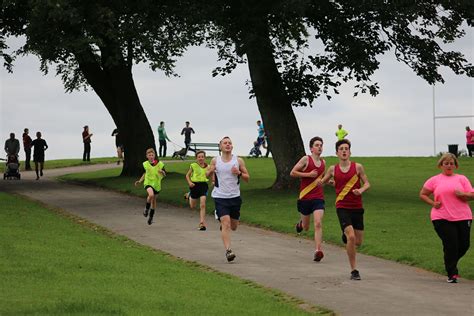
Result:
398,225
61,163
56,264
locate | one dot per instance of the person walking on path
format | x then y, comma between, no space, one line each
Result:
27,147
341,133
12,145
162,138
187,130
451,215
86,139
469,141
227,171
311,198
347,177
198,187
151,178
118,145
40,147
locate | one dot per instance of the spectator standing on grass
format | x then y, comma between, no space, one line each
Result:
469,141
341,133
187,130
451,214
118,145
27,147
86,139
162,138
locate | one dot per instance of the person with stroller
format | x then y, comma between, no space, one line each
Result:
40,147
27,147
12,145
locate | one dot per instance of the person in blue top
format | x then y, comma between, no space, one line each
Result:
261,134
154,173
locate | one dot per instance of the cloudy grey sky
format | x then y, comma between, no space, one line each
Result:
398,122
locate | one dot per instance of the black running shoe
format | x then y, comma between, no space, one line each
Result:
41,173
299,227
355,275
344,238
202,226
318,255
145,212
229,255
150,218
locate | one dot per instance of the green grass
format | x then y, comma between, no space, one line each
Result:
62,163
398,225
57,264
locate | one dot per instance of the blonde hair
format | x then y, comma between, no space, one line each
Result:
447,156
150,150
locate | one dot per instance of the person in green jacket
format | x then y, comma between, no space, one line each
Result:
162,138
197,181
341,133
154,173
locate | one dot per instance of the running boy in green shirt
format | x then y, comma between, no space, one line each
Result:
198,187
154,173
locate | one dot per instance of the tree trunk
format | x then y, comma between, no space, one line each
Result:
115,87
275,108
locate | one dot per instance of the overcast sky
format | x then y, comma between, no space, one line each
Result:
398,122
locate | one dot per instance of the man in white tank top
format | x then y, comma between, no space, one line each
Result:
227,169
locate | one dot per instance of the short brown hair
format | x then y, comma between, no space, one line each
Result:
150,150
341,142
314,139
200,152
446,156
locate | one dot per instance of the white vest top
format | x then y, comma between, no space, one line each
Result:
227,184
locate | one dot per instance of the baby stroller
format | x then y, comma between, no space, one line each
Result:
255,151
12,168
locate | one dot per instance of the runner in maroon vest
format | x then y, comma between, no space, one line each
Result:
347,176
311,198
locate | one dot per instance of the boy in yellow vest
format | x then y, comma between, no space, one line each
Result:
154,173
197,181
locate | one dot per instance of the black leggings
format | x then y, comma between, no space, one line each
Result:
455,237
162,150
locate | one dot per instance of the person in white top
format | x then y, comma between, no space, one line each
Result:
227,170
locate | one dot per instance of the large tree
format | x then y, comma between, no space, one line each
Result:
348,37
96,44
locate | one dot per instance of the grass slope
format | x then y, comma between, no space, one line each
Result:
51,265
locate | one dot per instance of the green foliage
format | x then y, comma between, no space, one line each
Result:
349,36
398,225
55,264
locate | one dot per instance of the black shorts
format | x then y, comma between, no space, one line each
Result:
38,157
229,207
351,217
154,191
307,207
199,189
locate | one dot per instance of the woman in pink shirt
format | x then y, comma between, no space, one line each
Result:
451,214
469,141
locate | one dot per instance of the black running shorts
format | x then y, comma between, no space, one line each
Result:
307,207
351,217
154,191
229,207
199,189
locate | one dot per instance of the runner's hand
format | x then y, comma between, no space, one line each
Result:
312,174
191,185
437,204
235,170
137,182
357,192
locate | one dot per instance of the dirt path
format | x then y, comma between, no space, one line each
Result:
271,259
